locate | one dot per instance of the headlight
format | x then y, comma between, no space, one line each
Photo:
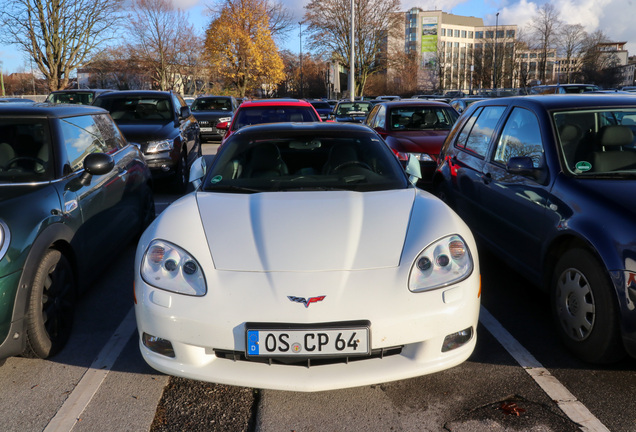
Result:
445,262
159,146
169,267
422,157
5,239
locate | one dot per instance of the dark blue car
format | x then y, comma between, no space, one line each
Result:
548,183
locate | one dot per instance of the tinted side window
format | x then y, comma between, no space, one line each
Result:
478,132
113,139
81,137
521,136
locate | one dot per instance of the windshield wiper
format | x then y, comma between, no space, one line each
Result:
230,188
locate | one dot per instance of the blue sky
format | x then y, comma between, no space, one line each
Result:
614,17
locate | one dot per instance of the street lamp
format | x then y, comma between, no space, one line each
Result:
494,72
301,58
352,82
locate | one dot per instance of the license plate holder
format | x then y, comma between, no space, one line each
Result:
267,340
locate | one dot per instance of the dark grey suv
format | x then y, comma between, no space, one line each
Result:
162,124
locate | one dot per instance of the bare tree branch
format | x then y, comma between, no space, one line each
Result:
58,35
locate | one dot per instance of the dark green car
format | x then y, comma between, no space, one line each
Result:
72,191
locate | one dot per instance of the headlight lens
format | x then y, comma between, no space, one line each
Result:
445,262
422,157
169,267
159,146
5,239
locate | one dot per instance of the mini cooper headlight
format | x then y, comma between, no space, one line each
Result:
169,267
159,146
445,262
5,239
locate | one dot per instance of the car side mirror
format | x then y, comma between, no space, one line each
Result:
96,164
185,112
197,172
524,166
413,169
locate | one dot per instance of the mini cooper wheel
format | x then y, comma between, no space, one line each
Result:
585,308
49,317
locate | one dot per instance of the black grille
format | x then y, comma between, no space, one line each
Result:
307,362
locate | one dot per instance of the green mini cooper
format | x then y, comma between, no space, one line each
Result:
72,190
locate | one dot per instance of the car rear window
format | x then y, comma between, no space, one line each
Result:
274,114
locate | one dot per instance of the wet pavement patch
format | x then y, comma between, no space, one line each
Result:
512,414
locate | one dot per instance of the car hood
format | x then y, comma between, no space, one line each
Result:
429,142
306,231
143,133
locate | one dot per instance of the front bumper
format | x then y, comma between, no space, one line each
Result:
161,164
11,317
208,333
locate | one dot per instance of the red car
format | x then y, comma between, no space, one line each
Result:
416,127
269,111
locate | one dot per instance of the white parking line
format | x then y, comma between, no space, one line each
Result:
81,396
575,410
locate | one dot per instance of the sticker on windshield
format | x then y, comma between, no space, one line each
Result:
216,179
583,166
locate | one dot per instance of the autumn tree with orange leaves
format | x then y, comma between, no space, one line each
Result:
239,45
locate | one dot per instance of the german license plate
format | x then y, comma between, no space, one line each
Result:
308,342
206,129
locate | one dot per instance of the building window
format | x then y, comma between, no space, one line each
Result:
456,33
500,33
490,34
510,33
464,34
470,35
443,32
479,35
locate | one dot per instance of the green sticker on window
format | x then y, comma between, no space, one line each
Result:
583,166
216,179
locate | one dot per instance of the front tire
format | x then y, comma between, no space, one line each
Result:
49,318
181,175
585,308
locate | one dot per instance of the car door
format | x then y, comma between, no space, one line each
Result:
189,128
514,206
96,198
466,162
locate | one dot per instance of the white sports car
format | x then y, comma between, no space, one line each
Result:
306,260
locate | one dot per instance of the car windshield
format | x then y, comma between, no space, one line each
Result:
25,151
80,98
294,161
416,118
273,114
353,107
598,142
137,109
212,104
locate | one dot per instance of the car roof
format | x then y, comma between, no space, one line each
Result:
307,127
214,97
148,93
275,102
567,101
410,102
48,110
95,91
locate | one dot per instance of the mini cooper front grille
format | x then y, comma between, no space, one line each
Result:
304,361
